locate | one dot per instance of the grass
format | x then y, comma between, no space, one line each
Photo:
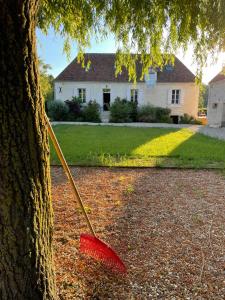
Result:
138,147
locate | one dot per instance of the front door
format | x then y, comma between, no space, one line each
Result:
106,99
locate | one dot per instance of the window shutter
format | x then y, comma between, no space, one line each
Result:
140,97
169,98
88,95
181,97
128,94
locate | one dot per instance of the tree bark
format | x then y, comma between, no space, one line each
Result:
26,225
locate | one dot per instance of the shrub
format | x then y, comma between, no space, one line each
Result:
120,111
46,103
74,106
57,110
152,114
134,111
91,112
147,114
187,119
163,115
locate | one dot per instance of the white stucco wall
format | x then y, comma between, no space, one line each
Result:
157,96
160,95
216,104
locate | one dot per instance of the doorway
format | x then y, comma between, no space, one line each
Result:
223,116
106,99
175,119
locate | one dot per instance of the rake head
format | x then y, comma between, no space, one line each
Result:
98,250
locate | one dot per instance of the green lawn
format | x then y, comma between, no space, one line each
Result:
123,146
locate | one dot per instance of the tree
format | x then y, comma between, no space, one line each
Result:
26,269
46,80
148,27
203,97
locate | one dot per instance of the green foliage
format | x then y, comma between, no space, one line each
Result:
74,106
163,115
152,114
91,112
203,97
134,111
57,110
187,119
151,27
120,111
46,81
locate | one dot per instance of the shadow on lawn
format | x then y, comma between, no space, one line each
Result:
104,146
151,147
197,151
174,149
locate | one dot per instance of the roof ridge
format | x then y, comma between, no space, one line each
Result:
219,77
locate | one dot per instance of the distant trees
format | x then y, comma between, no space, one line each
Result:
46,80
203,97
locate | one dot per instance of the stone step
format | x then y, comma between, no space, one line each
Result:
105,116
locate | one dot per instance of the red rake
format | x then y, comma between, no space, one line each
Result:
89,244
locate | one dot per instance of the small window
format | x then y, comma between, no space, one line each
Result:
60,89
134,95
169,67
175,97
106,91
214,105
82,94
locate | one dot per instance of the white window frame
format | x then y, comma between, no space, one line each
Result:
134,95
82,94
175,97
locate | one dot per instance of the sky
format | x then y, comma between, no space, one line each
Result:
50,49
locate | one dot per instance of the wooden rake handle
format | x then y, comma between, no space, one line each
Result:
68,173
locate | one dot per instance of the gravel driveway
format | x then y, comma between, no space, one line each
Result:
167,225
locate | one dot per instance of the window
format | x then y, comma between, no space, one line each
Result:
169,67
134,95
175,97
82,94
60,89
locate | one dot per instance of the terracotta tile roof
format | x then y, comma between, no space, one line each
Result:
218,77
102,69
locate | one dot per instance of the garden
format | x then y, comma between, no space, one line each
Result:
121,111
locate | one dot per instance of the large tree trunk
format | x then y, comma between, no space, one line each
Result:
26,270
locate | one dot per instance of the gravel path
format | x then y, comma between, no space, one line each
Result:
167,225
218,133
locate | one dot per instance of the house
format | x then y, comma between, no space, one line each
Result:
216,101
173,87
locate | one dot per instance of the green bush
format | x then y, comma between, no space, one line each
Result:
146,114
152,114
120,111
163,115
91,112
187,119
57,110
134,111
74,106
